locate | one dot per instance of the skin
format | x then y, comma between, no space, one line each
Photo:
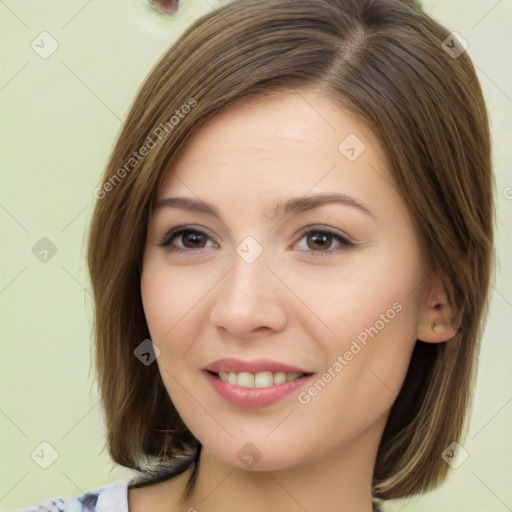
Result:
291,305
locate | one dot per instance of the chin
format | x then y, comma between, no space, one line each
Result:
260,455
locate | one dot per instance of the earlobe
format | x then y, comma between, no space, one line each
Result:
436,320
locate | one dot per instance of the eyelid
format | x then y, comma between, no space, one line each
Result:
179,230
344,240
319,228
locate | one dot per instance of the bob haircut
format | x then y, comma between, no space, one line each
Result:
385,62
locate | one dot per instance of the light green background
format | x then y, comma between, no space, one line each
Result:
60,118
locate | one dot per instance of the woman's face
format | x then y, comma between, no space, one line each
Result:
299,257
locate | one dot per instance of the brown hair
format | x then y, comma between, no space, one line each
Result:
382,60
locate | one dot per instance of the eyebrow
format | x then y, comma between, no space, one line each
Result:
293,205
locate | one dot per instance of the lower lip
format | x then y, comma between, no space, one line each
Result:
254,397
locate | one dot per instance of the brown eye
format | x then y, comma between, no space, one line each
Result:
323,242
320,241
193,240
186,240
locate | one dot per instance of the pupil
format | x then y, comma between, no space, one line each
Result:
320,239
195,238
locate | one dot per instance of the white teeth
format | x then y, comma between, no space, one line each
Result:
262,380
246,380
258,380
279,378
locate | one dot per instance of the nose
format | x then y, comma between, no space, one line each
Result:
250,300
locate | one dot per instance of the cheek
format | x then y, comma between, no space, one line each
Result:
366,289
174,301
371,308
362,375
170,297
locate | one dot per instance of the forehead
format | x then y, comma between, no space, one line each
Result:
285,144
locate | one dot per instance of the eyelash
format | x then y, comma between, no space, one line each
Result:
344,242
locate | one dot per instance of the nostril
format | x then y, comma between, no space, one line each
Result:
165,7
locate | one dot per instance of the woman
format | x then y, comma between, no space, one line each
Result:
290,257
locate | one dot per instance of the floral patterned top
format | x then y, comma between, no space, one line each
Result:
108,498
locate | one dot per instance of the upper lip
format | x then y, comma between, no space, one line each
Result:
253,366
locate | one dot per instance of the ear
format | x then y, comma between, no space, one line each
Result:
436,322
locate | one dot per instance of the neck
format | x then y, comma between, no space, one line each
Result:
337,481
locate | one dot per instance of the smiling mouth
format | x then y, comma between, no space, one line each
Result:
265,379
